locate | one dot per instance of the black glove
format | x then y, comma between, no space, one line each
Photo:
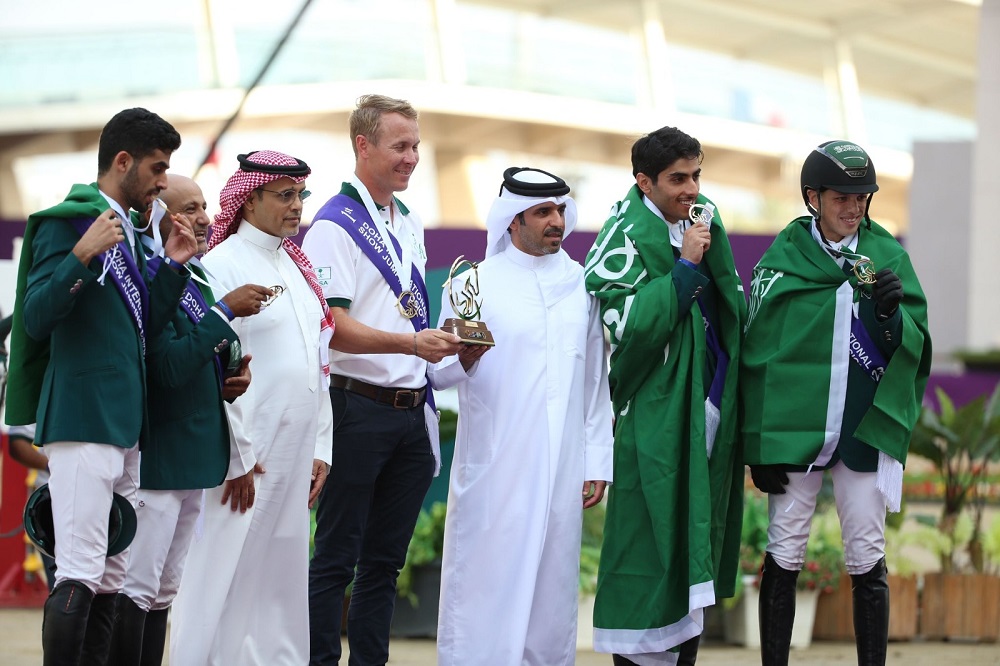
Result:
888,292
770,479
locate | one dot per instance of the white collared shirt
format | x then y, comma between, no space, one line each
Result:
346,273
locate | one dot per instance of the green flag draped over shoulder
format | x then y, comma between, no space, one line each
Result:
673,521
29,357
789,354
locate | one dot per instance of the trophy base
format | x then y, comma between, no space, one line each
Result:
471,332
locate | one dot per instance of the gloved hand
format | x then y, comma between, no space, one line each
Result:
770,479
888,292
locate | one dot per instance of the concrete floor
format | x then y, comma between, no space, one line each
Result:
20,645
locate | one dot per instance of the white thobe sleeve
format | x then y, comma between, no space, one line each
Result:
598,431
449,371
324,429
241,455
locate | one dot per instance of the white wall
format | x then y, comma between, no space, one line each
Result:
940,238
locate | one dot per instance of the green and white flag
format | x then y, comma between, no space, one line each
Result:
671,538
796,351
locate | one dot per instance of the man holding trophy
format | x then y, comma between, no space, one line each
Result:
534,430
835,361
368,249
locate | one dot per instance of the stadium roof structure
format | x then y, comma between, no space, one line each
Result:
918,51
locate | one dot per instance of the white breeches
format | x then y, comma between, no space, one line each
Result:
83,477
163,537
860,507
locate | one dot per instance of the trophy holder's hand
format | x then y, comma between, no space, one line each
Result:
470,354
433,344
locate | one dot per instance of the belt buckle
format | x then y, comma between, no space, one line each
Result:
412,395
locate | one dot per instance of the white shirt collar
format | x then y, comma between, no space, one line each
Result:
832,248
124,217
526,260
259,238
676,229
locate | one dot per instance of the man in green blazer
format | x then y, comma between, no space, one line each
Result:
188,447
83,316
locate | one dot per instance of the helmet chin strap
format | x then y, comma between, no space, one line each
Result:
818,213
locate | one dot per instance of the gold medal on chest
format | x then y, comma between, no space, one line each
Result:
406,303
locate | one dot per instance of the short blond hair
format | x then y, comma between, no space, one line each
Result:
369,111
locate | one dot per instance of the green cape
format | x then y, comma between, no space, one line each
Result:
30,357
785,379
673,522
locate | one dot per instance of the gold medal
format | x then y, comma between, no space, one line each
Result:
864,270
409,311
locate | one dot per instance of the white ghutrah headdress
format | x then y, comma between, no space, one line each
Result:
524,187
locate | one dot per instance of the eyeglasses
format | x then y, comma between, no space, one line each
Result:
288,196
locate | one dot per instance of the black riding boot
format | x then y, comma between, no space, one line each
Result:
154,637
688,652
871,615
100,624
64,623
777,612
127,638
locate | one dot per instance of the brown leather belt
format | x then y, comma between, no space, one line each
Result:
398,398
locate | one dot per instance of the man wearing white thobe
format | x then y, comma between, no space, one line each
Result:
243,599
534,428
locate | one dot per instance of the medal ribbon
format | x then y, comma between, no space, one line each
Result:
402,260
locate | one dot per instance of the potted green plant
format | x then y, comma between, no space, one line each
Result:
961,443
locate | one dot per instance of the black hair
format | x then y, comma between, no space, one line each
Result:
139,133
658,150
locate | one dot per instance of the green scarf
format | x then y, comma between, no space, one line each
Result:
673,522
786,376
29,357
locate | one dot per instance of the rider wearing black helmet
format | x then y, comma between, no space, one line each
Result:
838,315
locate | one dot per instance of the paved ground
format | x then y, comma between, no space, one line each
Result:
20,645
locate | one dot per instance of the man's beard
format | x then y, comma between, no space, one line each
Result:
130,188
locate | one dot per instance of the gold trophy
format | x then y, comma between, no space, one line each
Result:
467,307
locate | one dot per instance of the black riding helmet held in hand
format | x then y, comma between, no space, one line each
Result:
38,523
842,166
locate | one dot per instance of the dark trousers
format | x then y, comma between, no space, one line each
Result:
382,467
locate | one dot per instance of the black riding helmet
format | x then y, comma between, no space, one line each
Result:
39,527
842,166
